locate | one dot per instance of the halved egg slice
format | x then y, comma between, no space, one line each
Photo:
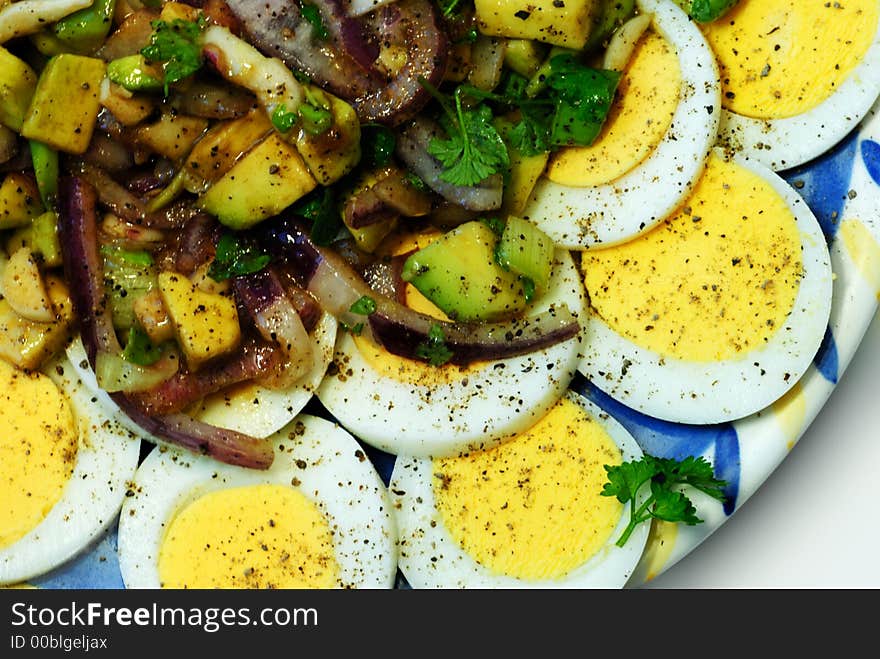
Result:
406,406
717,312
248,408
525,514
66,468
653,147
796,76
318,518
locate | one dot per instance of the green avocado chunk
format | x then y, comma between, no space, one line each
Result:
458,273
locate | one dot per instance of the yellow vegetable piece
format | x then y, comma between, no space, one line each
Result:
206,324
19,200
18,81
565,24
66,102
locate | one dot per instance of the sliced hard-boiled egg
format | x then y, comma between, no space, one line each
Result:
401,405
796,76
65,469
718,311
526,513
248,408
318,518
652,149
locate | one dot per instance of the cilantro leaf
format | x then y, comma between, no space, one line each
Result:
667,478
474,150
320,207
364,306
235,257
434,350
176,45
312,14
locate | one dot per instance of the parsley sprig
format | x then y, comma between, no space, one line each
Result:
434,349
667,477
474,150
235,257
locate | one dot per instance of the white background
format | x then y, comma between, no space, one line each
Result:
815,522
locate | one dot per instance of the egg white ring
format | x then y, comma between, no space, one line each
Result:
337,477
107,456
474,410
611,213
259,412
431,558
706,392
789,142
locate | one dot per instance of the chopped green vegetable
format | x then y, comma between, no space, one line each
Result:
434,350
130,72
320,207
706,11
235,257
312,14
666,477
364,306
85,30
377,145
45,161
139,349
584,96
527,251
474,150
175,45
283,120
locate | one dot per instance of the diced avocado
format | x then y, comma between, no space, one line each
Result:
128,276
334,153
269,178
85,30
206,324
134,74
221,147
19,200
41,237
524,56
527,251
65,105
458,272
18,81
611,16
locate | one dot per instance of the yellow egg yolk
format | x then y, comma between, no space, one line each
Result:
713,281
780,58
260,536
38,447
648,94
531,508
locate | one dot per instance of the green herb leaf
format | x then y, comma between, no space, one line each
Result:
474,150
377,144
667,477
235,257
320,208
176,45
434,350
283,120
364,306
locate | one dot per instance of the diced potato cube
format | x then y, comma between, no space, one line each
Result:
566,24
206,324
65,105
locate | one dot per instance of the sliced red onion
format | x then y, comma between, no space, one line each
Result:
412,148
84,273
263,296
179,392
399,329
343,63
